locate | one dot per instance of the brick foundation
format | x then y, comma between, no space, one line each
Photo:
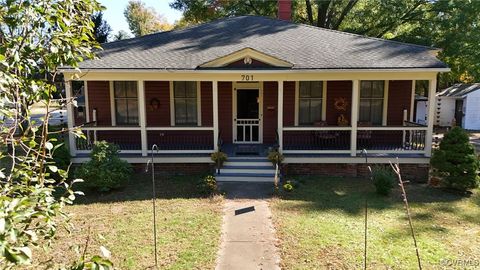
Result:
178,168
410,172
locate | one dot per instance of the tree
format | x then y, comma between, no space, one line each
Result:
144,20
456,161
101,29
36,38
121,35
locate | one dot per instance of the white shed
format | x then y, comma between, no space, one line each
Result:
459,105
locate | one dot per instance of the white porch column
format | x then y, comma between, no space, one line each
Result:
280,116
354,117
215,114
142,117
432,89
70,123
412,102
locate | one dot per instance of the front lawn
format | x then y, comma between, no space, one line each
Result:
188,226
321,226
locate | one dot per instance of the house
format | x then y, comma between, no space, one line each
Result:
248,84
459,105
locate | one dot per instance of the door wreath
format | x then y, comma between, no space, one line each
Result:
341,104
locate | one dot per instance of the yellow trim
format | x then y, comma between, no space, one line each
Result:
243,53
263,75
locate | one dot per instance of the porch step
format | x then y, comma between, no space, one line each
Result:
247,162
244,179
246,169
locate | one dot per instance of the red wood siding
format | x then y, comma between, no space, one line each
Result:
159,90
270,111
225,111
206,103
99,99
335,90
288,104
399,99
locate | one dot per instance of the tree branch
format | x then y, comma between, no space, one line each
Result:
345,11
309,11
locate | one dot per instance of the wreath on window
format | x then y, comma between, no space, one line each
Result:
341,104
154,104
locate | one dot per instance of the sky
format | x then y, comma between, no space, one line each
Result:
115,18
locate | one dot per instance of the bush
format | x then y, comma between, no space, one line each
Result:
456,162
208,185
105,170
288,186
383,179
275,157
219,158
61,157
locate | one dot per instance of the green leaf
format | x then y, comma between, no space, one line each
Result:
53,168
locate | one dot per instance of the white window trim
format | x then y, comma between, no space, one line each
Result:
113,114
385,100
199,104
297,101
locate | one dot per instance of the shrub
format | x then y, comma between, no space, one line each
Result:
105,170
61,157
219,158
275,157
383,179
456,162
288,186
208,185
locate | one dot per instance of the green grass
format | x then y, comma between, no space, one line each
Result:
188,226
321,226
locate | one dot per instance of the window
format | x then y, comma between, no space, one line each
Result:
310,102
371,102
126,102
185,103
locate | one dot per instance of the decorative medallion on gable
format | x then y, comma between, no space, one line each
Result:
247,58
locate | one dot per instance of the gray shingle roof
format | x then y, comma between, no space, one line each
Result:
459,90
307,47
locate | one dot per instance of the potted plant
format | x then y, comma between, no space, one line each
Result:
275,157
219,158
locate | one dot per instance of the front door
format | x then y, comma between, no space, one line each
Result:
247,116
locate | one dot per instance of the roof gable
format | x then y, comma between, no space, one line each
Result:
248,56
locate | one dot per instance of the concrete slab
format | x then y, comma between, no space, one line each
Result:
248,238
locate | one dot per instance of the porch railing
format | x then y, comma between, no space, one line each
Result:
316,139
392,139
338,140
130,139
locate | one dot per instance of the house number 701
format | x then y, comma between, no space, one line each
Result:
247,77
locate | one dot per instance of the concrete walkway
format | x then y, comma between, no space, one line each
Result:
248,236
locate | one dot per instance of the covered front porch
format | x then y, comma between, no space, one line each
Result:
235,112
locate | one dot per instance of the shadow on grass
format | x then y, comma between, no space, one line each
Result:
140,188
348,195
